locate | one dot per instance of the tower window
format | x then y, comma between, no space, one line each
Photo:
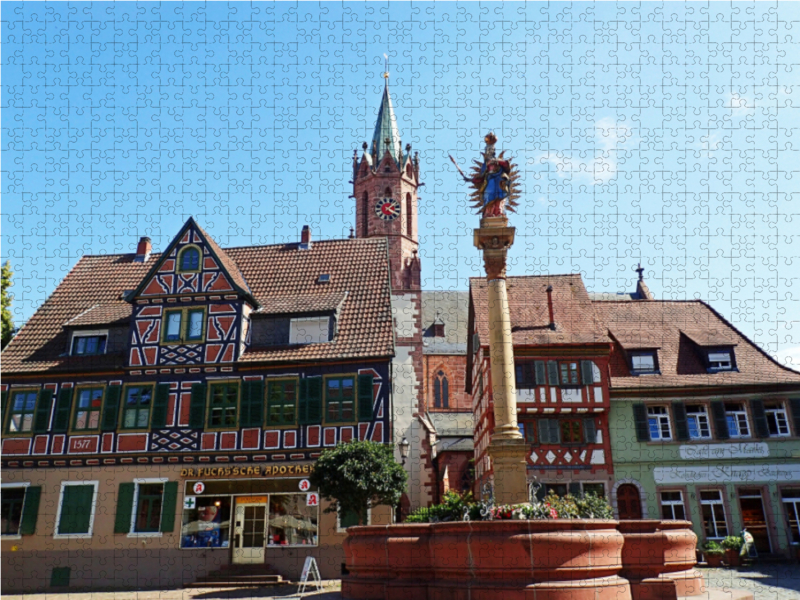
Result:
364,214
441,391
408,215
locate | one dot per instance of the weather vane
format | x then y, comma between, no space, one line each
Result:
386,66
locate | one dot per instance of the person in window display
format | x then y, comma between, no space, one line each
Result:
209,530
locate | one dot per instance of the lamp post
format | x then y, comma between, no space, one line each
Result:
404,446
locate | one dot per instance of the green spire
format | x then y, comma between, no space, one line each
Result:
386,128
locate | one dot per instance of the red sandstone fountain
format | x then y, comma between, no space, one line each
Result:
552,559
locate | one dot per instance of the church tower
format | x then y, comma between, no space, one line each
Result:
385,182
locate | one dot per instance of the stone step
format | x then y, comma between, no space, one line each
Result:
720,594
233,584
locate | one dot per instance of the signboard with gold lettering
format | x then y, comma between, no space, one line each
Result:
288,470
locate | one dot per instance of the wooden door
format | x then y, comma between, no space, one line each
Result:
629,502
754,519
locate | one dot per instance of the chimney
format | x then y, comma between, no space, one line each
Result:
143,249
550,307
305,238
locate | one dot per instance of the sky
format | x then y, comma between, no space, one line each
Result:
660,133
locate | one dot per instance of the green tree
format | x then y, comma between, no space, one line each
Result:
356,475
8,322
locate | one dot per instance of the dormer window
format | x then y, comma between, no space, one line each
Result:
90,343
189,259
309,330
720,359
644,362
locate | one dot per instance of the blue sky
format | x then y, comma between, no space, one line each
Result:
655,132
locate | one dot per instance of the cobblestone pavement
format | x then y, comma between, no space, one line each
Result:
765,582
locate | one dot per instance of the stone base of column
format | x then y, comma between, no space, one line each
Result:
510,470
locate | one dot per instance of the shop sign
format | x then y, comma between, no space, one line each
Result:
289,470
189,502
724,451
304,485
199,487
312,499
726,474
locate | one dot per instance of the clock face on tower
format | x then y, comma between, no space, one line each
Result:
387,209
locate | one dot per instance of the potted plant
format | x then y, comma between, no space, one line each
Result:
713,552
733,547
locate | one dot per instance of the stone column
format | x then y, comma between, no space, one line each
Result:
507,448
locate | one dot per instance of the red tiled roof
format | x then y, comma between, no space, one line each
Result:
275,305
679,359
103,314
357,266
228,264
527,300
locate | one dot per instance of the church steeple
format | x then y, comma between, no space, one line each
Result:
385,182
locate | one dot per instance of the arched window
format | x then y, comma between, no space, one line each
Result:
189,259
408,215
408,170
364,214
387,193
441,392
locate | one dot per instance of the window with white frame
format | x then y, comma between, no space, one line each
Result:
672,507
311,330
791,508
720,359
148,505
713,509
697,421
777,421
736,415
643,362
76,506
658,421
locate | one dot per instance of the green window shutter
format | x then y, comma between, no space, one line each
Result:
257,403
30,510
759,418
552,372
640,422
169,505
41,418
197,406
720,420
587,372
63,410
158,418
590,431
544,432
244,415
111,408
541,373
365,397
122,520
302,402
794,404
314,399
3,402
681,421
76,509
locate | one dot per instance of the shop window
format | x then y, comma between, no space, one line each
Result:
441,391
658,423
147,510
223,404
291,521
340,399
22,409
350,519
736,417
697,422
76,505
777,421
206,522
189,259
88,344
644,362
791,508
282,402
87,409
672,507
136,412
309,330
571,431
714,522
184,325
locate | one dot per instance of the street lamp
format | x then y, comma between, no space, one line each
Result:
404,446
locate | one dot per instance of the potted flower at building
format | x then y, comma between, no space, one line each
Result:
733,546
713,552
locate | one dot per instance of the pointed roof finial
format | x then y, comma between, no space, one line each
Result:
640,271
386,69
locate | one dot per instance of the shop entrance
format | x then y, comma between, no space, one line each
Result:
754,518
250,530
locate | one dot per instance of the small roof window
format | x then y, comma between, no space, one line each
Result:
720,359
644,362
324,278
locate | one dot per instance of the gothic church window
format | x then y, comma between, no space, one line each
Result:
441,392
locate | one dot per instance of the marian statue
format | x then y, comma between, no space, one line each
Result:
493,182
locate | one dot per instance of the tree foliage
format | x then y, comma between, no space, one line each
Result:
356,475
8,322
